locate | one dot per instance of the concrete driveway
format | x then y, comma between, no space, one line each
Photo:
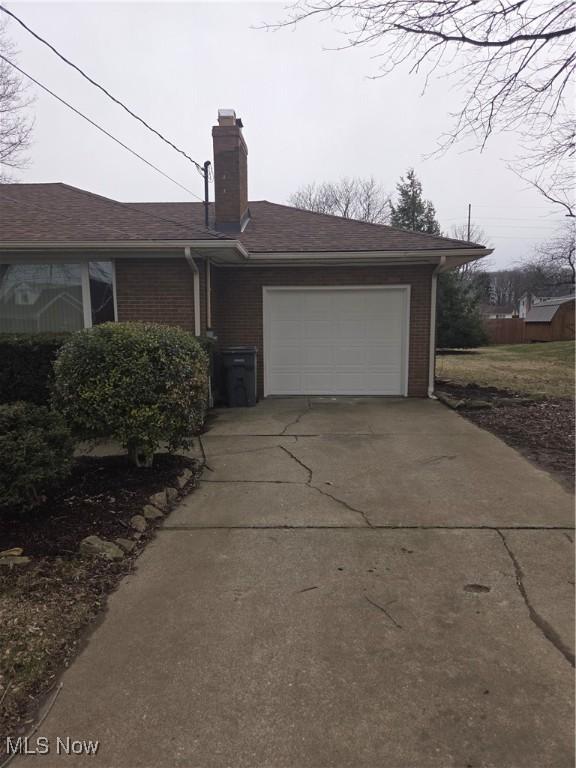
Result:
357,582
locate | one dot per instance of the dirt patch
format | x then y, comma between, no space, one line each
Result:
46,606
541,428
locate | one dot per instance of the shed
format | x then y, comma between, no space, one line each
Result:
551,320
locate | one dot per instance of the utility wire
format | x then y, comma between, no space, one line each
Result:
101,88
99,127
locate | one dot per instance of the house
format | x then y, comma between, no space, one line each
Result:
525,303
333,306
498,311
551,320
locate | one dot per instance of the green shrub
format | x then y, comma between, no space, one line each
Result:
26,366
138,383
35,452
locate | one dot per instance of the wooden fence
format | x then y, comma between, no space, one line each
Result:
506,330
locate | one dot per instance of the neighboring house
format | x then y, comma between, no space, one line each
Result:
551,320
333,306
498,311
525,303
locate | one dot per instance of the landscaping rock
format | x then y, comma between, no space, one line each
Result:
14,552
184,478
14,560
126,544
451,402
172,495
94,546
477,405
160,501
138,522
152,513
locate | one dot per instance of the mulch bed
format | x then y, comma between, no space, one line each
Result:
542,428
47,605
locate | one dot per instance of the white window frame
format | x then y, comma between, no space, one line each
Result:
268,289
86,298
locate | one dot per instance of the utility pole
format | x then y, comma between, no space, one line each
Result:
206,193
469,218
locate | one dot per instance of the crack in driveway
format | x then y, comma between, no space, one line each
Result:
545,628
297,419
297,460
322,491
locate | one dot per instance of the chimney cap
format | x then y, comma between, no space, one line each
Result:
227,117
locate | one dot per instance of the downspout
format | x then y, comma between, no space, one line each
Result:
208,295
432,342
194,267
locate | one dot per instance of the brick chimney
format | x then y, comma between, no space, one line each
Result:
230,173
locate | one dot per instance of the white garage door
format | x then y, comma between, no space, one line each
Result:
336,341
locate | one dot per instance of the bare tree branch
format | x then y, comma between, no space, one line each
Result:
513,60
352,198
15,122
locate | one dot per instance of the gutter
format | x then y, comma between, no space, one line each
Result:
432,342
196,273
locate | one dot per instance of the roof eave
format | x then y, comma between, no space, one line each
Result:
450,257
223,251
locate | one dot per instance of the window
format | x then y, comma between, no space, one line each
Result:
38,298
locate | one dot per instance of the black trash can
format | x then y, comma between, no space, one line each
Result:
240,375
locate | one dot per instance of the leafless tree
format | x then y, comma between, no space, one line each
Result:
15,121
477,234
513,60
352,198
558,255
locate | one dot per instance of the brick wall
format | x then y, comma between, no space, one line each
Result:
237,305
156,290
230,175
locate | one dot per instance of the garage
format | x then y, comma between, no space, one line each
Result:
336,340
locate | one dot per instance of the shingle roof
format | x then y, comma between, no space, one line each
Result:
281,228
545,311
61,213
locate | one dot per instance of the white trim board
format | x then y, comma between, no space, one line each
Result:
267,290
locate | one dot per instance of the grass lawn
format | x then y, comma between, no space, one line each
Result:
534,369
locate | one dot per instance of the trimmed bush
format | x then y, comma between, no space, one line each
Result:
36,452
26,366
137,383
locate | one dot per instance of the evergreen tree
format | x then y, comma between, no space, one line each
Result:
459,321
412,211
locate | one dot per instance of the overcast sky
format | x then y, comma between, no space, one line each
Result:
310,114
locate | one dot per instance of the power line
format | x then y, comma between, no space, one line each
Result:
99,127
104,90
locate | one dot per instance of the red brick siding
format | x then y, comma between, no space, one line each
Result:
237,305
230,175
155,290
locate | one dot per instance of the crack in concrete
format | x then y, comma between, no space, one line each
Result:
323,492
345,504
545,628
249,450
384,611
374,526
297,419
204,462
436,459
297,460
274,482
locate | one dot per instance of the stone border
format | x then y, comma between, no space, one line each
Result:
160,504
